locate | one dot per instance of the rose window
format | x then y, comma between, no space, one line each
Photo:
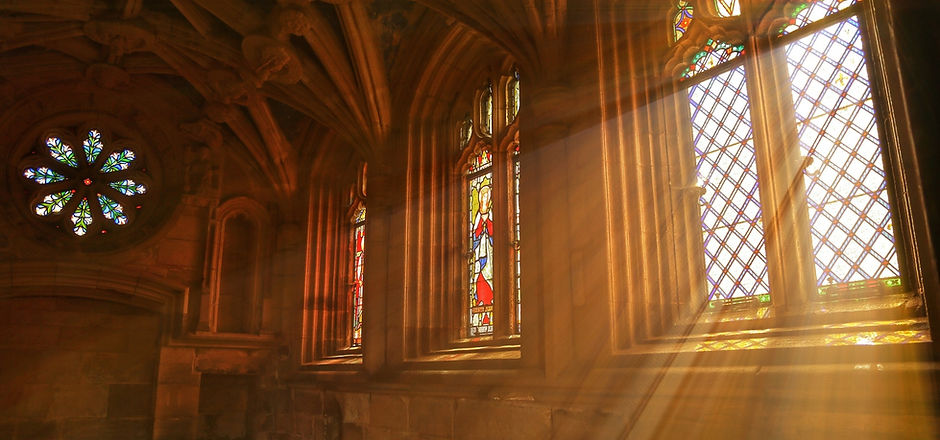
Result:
90,189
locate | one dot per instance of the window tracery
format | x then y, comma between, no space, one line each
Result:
491,227
843,205
94,188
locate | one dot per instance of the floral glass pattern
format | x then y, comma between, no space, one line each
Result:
732,226
849,208
94,185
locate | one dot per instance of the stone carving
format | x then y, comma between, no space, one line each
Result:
271,60
227,87
121,37
288,21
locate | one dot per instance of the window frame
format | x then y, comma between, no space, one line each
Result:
501,144
771,110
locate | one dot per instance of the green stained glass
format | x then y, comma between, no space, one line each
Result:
811,11
112,210
61,152
128,187
43,175
92,145
118,161
486,110
512,97
713,54
53,203
81,218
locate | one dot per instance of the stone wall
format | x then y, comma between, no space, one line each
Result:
76,369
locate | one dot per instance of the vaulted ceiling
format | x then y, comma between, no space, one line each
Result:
273,74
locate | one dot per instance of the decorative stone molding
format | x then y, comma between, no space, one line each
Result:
271,60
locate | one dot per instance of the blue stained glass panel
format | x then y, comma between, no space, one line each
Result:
112,210
43,175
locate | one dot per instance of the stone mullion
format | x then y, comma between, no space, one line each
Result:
780,169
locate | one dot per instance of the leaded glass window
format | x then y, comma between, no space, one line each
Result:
87,190
842,186
357,250
491,299
480,206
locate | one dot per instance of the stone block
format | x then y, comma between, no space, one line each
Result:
118,367
172,252
71,401
586,424
37,430
90,339
55,366
176,401
308,402
33,401
176,366
28,336
485,419
7,430
175,428
388,411
232,361
130,400
354,407
373,433
351,431
432,416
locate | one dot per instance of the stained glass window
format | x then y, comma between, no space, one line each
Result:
480,203
811,11
728,8
512,97
732,227
682,19
358,254
95,185
849,207
486,110
714,52
517,237
466,130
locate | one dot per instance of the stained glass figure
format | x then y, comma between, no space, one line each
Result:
732,227
682,19
512,97
486,110
101,191
728,8
849,206
480,186
811,11
358,255
714,53
466,130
